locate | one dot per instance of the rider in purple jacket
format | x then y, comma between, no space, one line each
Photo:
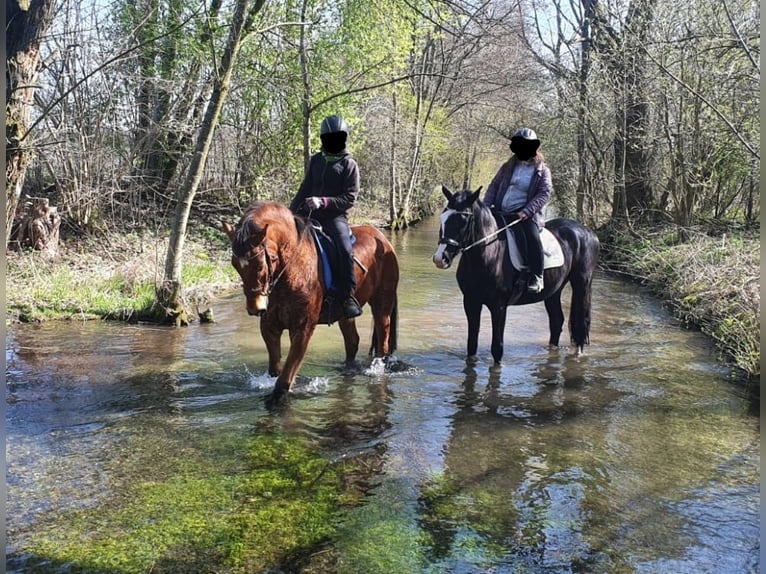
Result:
520,190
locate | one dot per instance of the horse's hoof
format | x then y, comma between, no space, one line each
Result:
277,398
579,352
471,360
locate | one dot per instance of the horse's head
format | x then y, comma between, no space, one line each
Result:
254,258
455,229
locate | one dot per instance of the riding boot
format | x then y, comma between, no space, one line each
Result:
350,307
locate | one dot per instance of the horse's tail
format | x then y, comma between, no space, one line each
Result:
393,332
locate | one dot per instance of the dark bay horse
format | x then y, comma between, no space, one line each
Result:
486,277
275,255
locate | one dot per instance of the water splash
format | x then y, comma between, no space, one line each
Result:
390,366
262,382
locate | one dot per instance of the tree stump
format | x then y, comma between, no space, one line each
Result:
40,225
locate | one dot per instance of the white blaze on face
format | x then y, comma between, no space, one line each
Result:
440,259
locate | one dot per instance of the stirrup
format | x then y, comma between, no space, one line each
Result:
536,284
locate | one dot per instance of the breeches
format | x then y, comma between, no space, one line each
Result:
338,229
530,243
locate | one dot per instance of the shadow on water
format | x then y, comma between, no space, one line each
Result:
642,456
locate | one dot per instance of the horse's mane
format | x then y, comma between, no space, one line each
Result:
248,226
483,220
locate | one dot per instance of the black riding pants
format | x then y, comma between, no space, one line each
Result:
530,244
338,229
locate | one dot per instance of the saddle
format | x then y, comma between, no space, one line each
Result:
552,254
328,259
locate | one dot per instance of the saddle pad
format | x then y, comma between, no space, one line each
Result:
328,256
552,254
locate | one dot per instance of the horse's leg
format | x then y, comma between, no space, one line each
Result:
350,338
555,317
472,310
499,314
579,312
382,318
272,335
299,342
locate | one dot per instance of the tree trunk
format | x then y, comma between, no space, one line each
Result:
168,302
583,112
393,192
26,22
306,95
39,228
633,188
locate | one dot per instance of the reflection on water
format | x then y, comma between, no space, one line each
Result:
641,456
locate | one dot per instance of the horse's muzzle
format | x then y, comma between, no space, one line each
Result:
256,306
442,259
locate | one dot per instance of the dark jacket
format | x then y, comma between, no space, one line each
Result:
334,179
540,189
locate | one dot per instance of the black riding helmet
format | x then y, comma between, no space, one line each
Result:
524,143
333,124
333,133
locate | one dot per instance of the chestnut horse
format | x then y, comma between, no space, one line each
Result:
487,278
274,253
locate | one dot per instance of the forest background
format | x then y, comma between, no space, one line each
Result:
155,119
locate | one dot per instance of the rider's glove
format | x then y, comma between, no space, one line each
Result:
313,203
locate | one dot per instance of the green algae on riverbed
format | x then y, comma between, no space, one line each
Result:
277,511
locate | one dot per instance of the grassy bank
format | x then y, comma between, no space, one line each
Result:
710,280
111,277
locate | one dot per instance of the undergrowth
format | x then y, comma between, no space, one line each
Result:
710,282
108,278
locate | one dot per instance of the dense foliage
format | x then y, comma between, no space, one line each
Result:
643,107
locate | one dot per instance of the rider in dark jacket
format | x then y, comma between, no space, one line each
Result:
329,190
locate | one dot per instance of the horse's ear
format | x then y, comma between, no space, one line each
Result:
228,229
447,193
475,194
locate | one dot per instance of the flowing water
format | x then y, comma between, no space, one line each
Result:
641,456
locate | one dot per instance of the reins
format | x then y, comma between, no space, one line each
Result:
273,280
491,235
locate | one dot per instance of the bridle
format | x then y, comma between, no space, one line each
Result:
458,244
271,278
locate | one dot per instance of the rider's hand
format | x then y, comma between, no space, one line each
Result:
313,203
521,215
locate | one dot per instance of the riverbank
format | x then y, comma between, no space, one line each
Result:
710,281
112,277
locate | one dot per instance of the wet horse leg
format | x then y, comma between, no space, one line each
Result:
472,310
350,338
381,317
272,336
498,314
299,342
555,317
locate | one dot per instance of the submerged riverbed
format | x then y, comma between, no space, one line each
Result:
145,449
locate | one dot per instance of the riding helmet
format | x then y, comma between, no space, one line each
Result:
332,125
526,134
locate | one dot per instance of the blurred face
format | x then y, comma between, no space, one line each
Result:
524,149
334,143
